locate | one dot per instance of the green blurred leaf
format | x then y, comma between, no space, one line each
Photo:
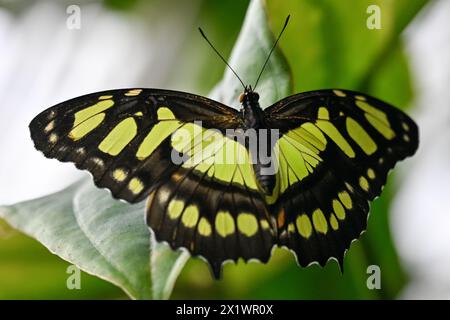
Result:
101,236
247,58
328,43
28,270
121,5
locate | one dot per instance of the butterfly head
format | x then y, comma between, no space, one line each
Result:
253,115
249,96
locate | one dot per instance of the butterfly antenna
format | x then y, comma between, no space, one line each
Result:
271,50
204,36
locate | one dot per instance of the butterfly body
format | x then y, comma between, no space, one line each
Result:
252,113
332,151
254,121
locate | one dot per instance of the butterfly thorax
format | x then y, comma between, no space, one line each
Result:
252,112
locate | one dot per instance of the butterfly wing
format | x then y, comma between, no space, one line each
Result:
335,151
121,136
144,142
212,204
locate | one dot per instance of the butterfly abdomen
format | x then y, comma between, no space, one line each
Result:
266,181
263,159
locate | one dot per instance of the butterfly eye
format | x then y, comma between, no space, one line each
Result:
241,97
256,96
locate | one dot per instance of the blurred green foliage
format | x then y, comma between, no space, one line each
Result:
29,271
83,225
121,5
327,45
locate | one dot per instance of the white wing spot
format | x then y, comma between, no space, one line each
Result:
164,195
349,187
53,138
50,126
97,161
51,115
406,138
405,126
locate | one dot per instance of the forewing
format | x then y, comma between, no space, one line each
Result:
122,136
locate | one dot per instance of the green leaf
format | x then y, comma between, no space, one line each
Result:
247,58
328,43
108,238
120,5
103,237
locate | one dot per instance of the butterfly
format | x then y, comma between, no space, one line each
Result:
205,189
